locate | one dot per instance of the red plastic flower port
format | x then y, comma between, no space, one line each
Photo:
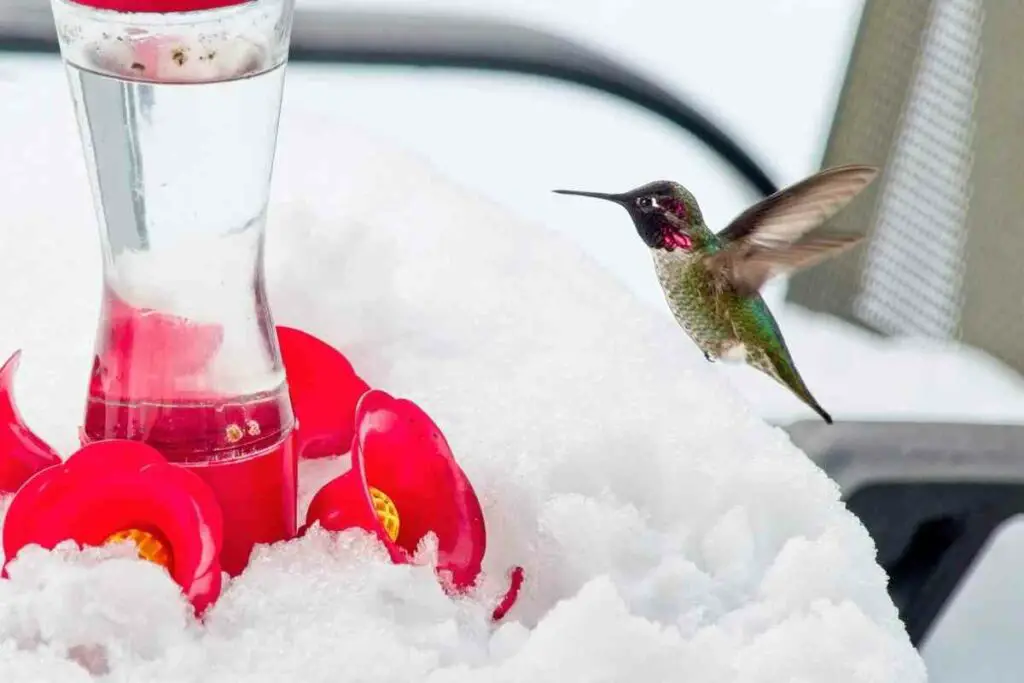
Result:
324,390
403,484
22,453
116,490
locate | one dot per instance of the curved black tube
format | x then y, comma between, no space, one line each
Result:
451,41
445,41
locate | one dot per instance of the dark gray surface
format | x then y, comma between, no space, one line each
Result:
931,495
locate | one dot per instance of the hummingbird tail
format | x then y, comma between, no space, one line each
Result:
785,373
797,386
801,390
821,411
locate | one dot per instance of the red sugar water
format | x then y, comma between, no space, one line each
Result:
240,445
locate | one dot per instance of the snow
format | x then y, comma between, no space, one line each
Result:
667,532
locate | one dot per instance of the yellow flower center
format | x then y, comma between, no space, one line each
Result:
150,547
386,511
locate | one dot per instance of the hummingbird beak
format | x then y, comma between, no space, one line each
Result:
617,198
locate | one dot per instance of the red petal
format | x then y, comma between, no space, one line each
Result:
510,597
324,390
113,485
400,451
22,453
345,503
407,457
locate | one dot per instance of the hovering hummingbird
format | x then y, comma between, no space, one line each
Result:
712,281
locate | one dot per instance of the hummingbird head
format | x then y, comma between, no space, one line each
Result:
665,213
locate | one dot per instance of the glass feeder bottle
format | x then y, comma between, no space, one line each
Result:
178,104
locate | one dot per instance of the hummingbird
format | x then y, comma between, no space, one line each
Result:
712,281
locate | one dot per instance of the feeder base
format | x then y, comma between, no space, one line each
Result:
258,499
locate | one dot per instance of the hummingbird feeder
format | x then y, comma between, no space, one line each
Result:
198,407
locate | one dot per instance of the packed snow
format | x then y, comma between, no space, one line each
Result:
667,532
476,129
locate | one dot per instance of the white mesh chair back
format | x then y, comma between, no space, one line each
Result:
934,95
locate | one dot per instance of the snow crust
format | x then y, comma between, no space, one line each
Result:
667,532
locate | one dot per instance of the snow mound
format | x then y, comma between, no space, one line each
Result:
667,533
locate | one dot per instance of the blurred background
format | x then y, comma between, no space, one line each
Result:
919,329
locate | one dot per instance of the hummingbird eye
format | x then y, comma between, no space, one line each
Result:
647,202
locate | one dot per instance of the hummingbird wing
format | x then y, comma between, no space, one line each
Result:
788,214
746,272
761,242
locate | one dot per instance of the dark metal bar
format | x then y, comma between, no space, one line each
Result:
351,36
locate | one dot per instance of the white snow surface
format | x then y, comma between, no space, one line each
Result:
667,532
